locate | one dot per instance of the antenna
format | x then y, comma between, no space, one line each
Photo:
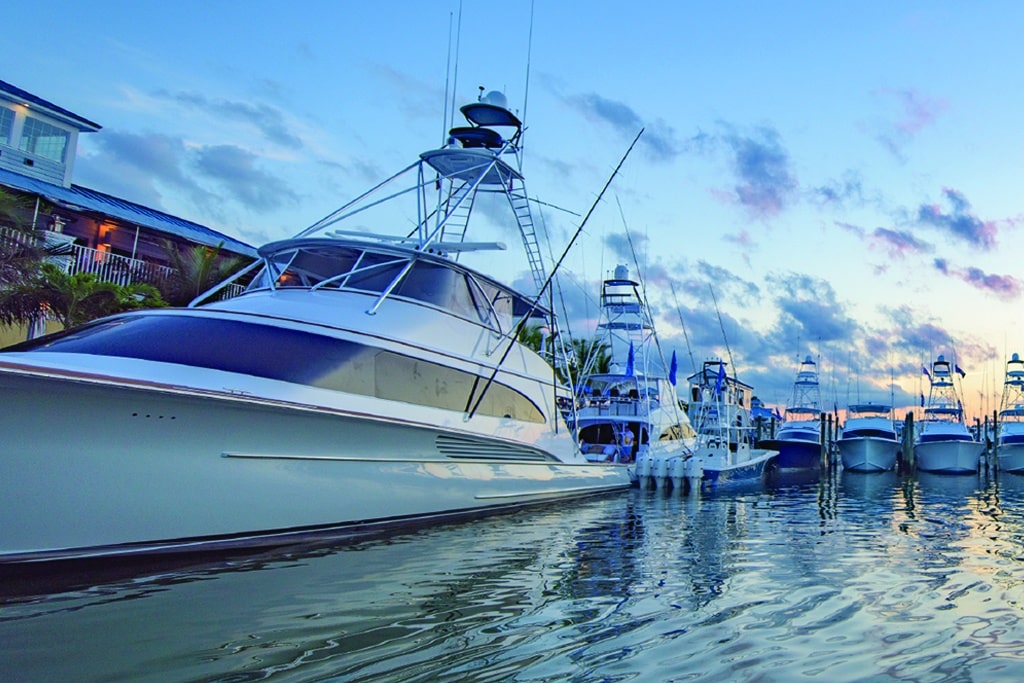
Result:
445,126
721,326
672,287
455,75
526,93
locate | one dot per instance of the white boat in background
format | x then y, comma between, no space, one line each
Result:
631,413
798,438
1010,437
868,441
720,409
942,442
360,381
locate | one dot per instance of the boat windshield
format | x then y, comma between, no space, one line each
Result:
323,265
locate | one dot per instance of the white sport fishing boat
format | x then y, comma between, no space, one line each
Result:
360,381
1010,439
720,408
631,413
942,442
868,442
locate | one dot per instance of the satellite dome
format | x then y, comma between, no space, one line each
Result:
497,98
621,272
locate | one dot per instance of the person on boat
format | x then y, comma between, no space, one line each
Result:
626,450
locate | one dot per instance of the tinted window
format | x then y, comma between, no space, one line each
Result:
291,356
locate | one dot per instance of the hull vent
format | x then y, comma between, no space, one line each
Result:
468,448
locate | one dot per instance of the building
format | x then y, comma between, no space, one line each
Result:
111,237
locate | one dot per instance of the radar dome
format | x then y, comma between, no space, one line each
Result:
621,272
496,98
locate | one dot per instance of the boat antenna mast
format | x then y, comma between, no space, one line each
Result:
679,312
526,90
721,326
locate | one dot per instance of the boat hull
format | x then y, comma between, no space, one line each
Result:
749,470
797,454
868,454
92,469
951,456
1010,457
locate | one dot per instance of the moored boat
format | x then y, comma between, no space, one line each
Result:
360,381
1010,437
798,438
720,409
942,442
868,441
629,412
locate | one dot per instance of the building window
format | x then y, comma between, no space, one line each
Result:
40,138
6,123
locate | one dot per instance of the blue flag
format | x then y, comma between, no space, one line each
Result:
672,368
922,400
630,361
720,380
959,371
925,371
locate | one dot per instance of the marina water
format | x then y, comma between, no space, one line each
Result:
857,577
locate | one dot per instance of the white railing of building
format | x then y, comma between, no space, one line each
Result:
106,266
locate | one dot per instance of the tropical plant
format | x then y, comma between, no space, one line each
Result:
22,249
71,299
533,336
194,270
593,356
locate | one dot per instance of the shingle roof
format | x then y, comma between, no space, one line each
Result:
81,198
83,123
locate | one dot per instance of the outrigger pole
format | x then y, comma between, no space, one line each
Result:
547,283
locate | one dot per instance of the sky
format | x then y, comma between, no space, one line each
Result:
841,179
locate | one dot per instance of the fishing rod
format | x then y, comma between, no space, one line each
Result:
547,283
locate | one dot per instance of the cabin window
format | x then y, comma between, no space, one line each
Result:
43,139
291,356
6,124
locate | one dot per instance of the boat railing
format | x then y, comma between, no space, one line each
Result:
623,406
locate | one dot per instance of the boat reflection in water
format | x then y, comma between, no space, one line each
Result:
818,579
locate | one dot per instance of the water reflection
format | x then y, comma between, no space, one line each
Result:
845,577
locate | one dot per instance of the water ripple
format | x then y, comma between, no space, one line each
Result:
855,578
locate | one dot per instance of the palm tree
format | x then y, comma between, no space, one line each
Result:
71,299
593,356
195,269
22,248
533,336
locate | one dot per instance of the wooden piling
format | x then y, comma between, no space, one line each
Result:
907,459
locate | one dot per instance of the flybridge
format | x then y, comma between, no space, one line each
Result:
476,159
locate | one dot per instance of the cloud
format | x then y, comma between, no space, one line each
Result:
898,243
1006,287
809,309
136,166
839,193
658,139
959,222
766,183
235,169
270,121
917,112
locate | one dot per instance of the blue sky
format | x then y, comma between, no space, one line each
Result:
845,175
